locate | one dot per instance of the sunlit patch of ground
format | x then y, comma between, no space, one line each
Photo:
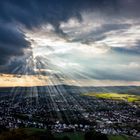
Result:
116,96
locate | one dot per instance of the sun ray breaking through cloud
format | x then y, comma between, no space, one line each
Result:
80,45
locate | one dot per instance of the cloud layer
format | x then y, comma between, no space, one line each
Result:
93,39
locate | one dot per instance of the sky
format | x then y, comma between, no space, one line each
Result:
76,42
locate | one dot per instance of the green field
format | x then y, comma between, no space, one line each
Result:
116,96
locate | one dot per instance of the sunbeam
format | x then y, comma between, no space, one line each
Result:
69,68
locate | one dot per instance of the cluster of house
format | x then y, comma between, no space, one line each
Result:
78,113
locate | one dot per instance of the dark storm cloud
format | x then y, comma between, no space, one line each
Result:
34,13
12,42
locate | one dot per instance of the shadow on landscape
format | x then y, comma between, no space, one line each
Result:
21,134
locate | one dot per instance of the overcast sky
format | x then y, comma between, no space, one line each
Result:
71,39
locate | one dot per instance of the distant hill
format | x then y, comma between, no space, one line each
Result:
70,89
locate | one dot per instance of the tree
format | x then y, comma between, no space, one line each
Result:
92,135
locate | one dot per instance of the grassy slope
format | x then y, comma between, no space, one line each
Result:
118,138
71,135
80,136
116,96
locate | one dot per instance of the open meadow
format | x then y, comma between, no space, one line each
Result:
116,96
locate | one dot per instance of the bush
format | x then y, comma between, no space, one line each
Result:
92,135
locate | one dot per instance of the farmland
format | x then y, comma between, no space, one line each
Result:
116,96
